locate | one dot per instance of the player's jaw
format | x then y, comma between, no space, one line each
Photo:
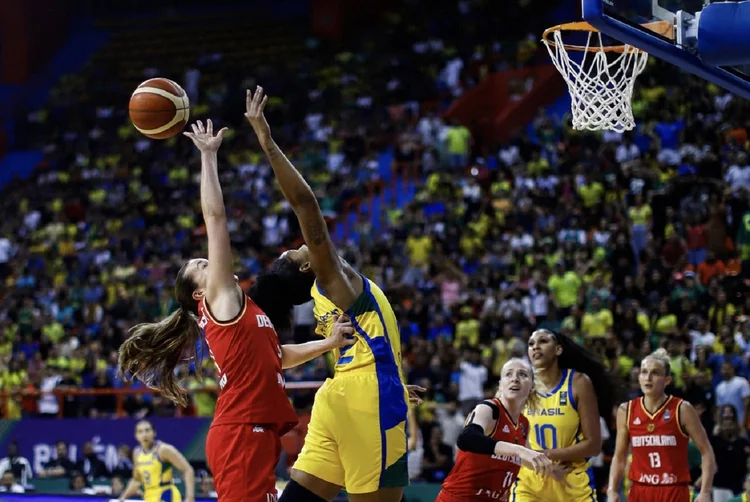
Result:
516,392
542,355
197,269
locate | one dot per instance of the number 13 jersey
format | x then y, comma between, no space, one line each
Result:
659,444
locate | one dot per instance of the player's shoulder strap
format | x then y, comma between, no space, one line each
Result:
494,404
678,415
629,409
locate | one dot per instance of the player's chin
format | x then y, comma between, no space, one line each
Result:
539,361
512,393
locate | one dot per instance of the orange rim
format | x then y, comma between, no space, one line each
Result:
584,26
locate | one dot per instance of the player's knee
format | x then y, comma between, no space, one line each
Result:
295,492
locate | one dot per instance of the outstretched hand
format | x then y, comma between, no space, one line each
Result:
255,104
204,138
413,396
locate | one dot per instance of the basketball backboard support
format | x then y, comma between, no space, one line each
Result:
631,21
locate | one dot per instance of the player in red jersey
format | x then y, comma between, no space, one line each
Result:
253,410
492,445
657,428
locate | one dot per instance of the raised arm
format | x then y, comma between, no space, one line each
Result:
341,289
620,458
222,292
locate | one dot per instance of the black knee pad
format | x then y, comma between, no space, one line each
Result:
295,492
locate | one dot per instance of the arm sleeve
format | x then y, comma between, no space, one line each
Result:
473,440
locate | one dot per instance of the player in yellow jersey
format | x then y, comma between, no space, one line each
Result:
357,434
153,462
564,422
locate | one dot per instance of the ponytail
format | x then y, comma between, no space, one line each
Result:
154,350
580,359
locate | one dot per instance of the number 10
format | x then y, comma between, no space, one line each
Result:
541,436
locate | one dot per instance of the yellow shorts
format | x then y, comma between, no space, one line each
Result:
357,433
163,494
531,487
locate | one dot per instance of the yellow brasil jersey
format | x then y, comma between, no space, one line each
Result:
374,323
155,474
553,420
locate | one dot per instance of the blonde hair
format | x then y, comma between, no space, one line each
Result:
662,356
532,400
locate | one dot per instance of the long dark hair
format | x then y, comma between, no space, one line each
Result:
278,290
154,350
576,357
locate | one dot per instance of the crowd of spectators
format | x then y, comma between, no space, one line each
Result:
626,242
104,221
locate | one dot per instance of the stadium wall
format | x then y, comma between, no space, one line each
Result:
37,437
36,440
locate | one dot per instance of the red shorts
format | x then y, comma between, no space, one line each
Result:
658,493
242,459
444,496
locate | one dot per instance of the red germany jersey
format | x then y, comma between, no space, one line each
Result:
247,356
479,477
659,445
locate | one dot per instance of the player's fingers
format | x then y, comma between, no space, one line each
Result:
210,127
248,98
263,103
195,129
416,388
220,134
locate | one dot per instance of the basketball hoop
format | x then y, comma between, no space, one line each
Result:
601,84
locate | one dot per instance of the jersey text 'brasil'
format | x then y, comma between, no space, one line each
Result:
247,356
658,443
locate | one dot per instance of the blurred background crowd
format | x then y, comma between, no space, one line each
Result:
626,242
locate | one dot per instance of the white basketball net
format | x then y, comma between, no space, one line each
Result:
601,85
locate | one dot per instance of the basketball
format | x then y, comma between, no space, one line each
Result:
159,108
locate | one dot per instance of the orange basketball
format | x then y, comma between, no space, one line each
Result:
159,108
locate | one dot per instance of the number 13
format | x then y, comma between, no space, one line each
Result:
654,459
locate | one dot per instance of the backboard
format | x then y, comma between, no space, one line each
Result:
640,23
